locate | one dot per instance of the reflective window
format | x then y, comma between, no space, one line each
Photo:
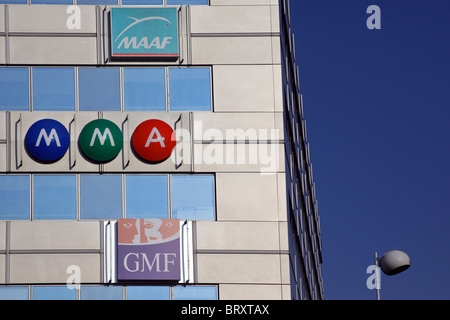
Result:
51,1
142,2
14,197
195,293
144,89
147,196
54,293
148,293
186,2
14,93
101,293
54,197
14,293
99,89
106,2
13,1
53,89
100,196
193,197
190,89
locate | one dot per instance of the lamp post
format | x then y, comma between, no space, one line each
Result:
392,262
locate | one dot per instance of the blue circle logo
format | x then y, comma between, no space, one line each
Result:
47,140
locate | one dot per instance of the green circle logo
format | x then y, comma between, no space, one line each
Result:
101,140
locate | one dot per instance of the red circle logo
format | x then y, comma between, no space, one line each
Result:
153,140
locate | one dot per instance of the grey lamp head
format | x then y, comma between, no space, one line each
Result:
394,262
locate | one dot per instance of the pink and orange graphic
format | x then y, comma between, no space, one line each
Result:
147,231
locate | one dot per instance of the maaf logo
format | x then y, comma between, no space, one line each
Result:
100,141
144,32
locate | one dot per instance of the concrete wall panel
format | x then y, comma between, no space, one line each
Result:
246,197
53,50
230,19
55,235
250,292
231,50
239,268
248,88
52,268
49,19
213,235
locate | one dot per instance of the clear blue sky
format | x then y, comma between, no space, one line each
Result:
377,106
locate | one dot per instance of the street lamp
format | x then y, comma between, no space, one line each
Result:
392,262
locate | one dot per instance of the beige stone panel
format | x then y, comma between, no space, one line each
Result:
216,126
52,268
230,19
239,268
231,50
213,235
262,158
50,19
246,197
250,292
53,50
60,235
2,268
2,234
244,88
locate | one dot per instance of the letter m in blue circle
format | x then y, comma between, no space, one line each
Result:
47,140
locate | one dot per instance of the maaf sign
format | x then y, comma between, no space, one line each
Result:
148,249
144,32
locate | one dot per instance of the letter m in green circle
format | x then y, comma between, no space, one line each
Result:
102,137
101,140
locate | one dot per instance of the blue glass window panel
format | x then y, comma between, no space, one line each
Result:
193,197
186,2
142,2
147,196
54,293
13,1
144,89
101,293
99,89
14,293
14,93
54,197
51,1
53,89
106,2
100,196
148,293
14,197
195,293
190,89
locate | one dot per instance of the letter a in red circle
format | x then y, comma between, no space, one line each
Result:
153,140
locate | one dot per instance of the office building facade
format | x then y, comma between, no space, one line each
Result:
154,149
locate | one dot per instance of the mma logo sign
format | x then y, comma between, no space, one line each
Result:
100,141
